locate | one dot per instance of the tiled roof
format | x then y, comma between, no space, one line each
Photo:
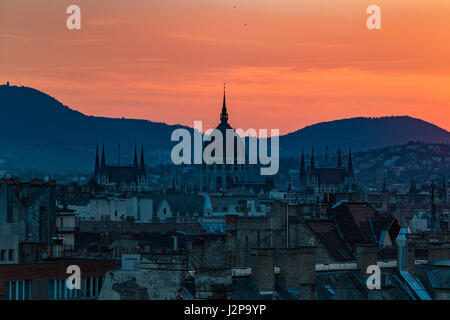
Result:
122,174
360,222
328,234
329,176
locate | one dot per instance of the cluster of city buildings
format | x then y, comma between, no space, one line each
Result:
223,232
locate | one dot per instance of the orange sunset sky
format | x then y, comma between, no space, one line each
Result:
287,63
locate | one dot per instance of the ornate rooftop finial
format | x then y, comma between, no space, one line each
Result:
224,114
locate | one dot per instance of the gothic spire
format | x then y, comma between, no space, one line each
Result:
135,162
339,164
350,164
103,163
302,168
97,165
142,160
311,163
224,114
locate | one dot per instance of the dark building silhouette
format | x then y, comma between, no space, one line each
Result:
325,180
125,177
325,175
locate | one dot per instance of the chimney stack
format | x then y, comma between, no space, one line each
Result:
263,268
402,244
366,255
298,270
213,278
438,251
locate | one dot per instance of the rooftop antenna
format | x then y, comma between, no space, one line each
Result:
119,153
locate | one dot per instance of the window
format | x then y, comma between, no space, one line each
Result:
11,254
19,290
57,290
51,284
88,287
91,286
2,254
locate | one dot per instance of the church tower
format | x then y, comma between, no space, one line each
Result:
350,165
226,176
311,163
302,169
97,164
103,163
224,114
135,161
339,163
142,161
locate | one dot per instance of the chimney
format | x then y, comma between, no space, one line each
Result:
213,278
437,251
298,270
411,256
175,243
402,244
366,255
245,211
263,269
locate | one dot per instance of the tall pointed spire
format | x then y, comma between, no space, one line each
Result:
302,169
311,163
350,164
97,164
339,163
135,162
224,114
142,160
103,163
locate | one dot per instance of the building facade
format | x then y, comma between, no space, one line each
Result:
121,177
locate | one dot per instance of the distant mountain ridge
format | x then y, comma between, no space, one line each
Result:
37,131
362,133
